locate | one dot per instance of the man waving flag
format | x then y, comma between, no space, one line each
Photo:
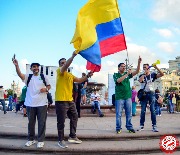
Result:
99,32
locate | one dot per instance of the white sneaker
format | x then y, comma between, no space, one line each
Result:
29,143
40,144
140,128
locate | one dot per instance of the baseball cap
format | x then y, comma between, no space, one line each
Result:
35,63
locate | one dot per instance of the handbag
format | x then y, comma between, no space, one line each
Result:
141,93
160,99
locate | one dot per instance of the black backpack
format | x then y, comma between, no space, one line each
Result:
49,97
42,77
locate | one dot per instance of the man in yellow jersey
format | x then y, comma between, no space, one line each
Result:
64,100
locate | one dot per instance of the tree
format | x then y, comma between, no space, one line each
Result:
10,92
173,88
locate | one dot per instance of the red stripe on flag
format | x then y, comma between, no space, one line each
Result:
107,47
92,67
112,45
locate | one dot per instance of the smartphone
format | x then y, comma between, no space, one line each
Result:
14,57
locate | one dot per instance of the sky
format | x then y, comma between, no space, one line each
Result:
41,31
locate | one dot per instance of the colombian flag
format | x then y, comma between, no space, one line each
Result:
99,32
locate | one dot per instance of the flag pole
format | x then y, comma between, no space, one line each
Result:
127,56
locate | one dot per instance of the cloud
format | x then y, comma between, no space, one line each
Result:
110,63
163,65
164,32
166,10
176,30
167,46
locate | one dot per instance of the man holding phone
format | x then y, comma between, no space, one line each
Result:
35,102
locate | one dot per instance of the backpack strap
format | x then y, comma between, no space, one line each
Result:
43,78
29,78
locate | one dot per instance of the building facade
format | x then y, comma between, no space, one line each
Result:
170,80
175,64
16,88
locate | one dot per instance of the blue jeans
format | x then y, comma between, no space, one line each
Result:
171,106
3,104
96,105
127,105
150,96
10,106
158,109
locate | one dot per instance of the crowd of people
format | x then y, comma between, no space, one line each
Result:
70,94
173,102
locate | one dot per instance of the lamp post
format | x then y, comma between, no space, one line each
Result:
13,84
126,64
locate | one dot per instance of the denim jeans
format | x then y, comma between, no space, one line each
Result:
96,105
3,104
158,109
150,97
10,106
171,106
127,105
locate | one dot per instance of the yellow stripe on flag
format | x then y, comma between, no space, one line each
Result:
93,13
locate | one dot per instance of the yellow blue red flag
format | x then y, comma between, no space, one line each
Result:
99,32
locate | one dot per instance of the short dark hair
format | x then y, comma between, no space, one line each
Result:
61,59
83,74
35,63
146,64
120,64
157,91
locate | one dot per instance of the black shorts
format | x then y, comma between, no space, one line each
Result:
22,103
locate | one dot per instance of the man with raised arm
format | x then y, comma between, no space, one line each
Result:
64,100
147,80
35,102
123,95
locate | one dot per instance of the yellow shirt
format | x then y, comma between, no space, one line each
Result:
64,86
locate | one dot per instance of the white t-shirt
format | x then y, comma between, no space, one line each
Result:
95,96
33,96
2,92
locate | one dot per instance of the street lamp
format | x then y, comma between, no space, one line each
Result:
13,84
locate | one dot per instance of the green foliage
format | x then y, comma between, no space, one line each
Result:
10,92
173,88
